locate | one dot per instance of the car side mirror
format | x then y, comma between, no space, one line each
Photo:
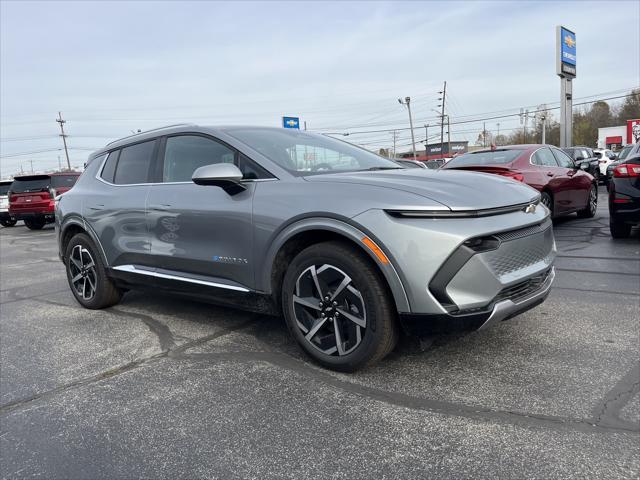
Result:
224,175
584,166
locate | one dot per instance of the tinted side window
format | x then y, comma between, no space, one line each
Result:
133,164
184,154
563,159
109,169
544,157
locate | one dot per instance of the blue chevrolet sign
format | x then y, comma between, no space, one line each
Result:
291,122
568,46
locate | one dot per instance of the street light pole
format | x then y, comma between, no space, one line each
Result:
407,102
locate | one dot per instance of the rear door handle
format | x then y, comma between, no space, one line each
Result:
99,206
163,207
549,174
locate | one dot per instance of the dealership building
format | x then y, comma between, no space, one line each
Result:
438,150
615,138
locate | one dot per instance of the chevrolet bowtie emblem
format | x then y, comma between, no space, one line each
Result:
531,208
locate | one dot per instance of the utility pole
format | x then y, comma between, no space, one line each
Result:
426,141
407,102
449,135
395,136
444,99
31,161
484,134
497,136
64,138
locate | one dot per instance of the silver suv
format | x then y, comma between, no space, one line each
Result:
348,246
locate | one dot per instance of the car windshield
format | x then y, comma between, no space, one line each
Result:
304,153
624,152
31,184
491,157
4,189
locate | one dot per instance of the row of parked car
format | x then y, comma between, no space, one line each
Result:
31,198
567,178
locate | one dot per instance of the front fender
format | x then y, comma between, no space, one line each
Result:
350,232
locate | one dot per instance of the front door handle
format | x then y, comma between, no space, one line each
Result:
163,207
549,174
100,206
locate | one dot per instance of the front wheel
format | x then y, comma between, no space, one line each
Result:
87,275
592,204
547,201
9,222
338,308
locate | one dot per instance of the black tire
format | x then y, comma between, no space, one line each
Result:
35,224
8,222
547,200
105,293
619,229
592,204
378,310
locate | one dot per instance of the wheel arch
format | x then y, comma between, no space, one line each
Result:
298,236
72,226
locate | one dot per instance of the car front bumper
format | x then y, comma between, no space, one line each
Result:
421,324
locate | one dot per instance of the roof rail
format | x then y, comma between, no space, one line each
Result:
152,130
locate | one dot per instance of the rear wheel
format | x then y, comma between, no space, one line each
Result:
619,229
592,204
547,201
87,276
8,222
35,223
337,307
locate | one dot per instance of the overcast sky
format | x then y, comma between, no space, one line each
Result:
111,67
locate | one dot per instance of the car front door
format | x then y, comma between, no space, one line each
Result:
200,233
556,180
115,208
576,183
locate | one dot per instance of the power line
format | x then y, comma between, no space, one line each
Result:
477,120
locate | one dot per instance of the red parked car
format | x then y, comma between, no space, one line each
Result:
31,197
565,187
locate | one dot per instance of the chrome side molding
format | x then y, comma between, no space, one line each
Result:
153,273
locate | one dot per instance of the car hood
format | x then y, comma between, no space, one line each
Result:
458,190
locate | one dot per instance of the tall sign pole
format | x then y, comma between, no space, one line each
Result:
566,70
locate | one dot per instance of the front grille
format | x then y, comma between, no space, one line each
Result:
522,251
523,232
524,288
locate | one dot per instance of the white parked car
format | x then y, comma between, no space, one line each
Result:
6,220
605,157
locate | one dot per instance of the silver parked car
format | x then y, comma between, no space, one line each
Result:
348,246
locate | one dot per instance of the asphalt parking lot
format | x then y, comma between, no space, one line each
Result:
161,387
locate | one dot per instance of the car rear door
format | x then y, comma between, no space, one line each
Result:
115,208
200,234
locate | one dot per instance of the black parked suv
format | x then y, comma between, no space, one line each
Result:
624,197
582,155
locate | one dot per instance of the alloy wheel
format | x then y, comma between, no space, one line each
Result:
593,200
329,310
84,277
